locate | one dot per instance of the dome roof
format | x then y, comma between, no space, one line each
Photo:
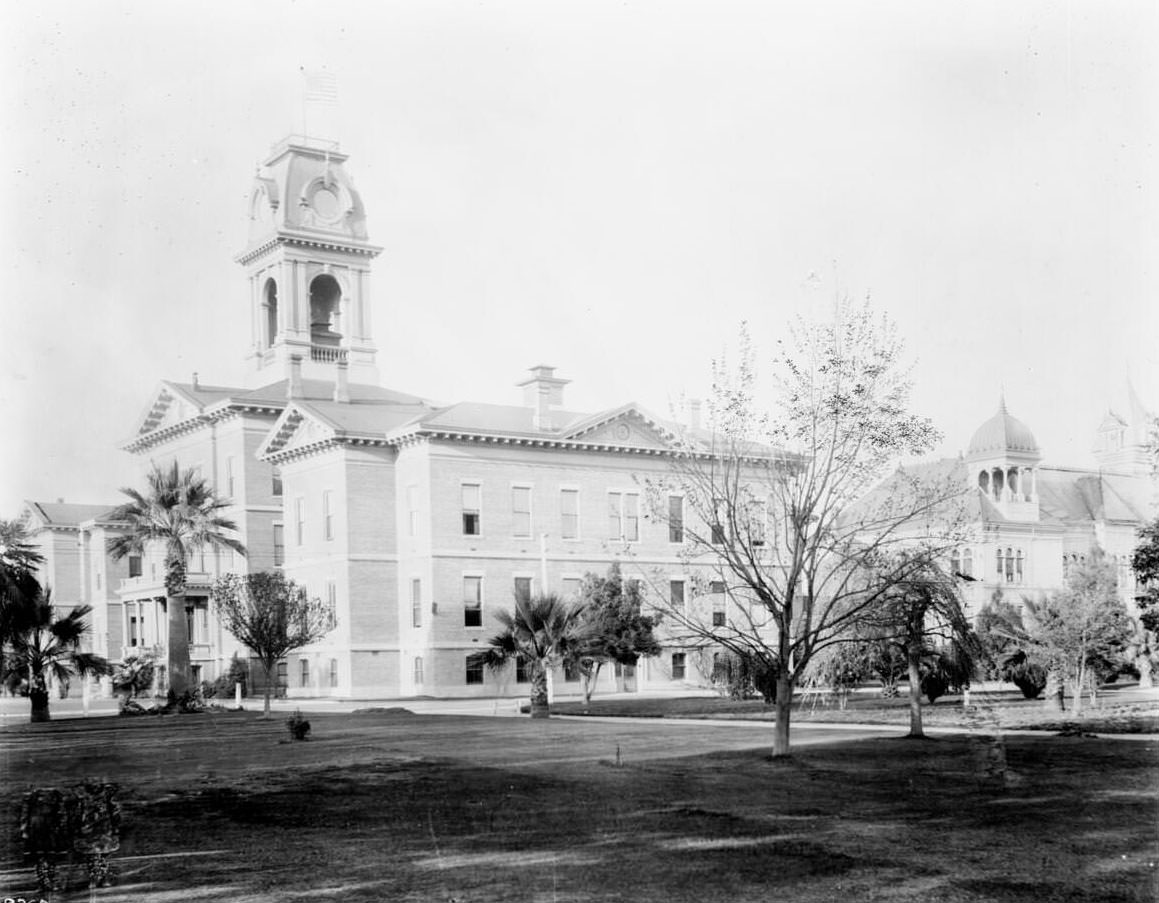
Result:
1002,433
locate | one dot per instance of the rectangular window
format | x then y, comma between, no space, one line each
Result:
569,513
472,601
521,511
678,666
474,669
299,520
522,587
279,545
624,516
132,631
472,509
718,534
199,622
521,676
276,483
332,595
717,587
134,565
304,673
570,587
758,519
675,518
676,594
412,509
229,481
718,619
418,671
416,603
333,673
328,514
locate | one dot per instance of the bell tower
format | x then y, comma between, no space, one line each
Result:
308,264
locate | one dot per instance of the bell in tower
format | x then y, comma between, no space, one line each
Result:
308,262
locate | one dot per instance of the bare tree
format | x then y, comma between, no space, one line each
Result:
271,616
792,511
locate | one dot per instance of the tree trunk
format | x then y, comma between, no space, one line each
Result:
784,710
915,693
590,682
39,705
539,705
1055,691
1080,679
268,669
177,661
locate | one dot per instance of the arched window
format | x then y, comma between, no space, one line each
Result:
998,571
1009,565
968,563
270,303
955,562
1018,572
984,482
325,295
999,482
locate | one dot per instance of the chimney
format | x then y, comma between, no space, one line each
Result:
294,382
542,392
693,405
342,383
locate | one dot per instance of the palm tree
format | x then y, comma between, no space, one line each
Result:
19,586
540,632
180,511
47,650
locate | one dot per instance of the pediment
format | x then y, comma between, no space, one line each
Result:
168,408
627,427
295,429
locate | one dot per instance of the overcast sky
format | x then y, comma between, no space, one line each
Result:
607,187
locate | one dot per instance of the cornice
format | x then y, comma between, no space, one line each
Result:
305,241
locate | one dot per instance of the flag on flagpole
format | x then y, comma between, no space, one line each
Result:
321,86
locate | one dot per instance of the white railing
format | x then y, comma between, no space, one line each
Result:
327,354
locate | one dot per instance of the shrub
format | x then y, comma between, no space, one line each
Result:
745,676
298,726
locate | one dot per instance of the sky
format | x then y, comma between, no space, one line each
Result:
609,188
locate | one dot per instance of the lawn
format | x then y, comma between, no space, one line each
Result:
389,806
1119,711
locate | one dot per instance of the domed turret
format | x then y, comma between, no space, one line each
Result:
1003,458
1002,433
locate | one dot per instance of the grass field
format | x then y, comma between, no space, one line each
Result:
396,807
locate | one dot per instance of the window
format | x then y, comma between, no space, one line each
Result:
279,545
416,603
676,594
327,514
675,518
472,601
134,565
522,587
624,516
472,503
299,520
133,631
412,509
1009,565
418,671
197,621
758,518
521,676
521,511
229,481
332,596
718,619
304,673
1018,566
968,563
569,513
333,673
955,563
678,666
276,483
571,587
98,579
718,534
195,675
474,669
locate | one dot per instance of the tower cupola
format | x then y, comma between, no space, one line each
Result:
1003,459
308,262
